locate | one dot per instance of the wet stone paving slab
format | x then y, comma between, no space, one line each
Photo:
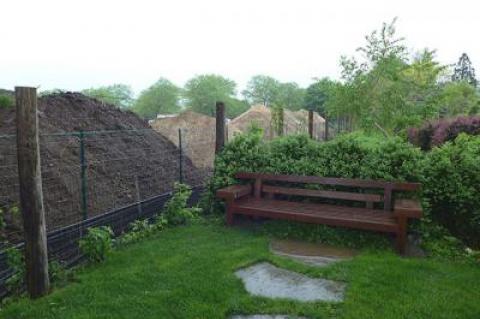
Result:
267,280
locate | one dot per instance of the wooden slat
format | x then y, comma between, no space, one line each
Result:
332,215
234,191
257,188
398,186
408,208
324,194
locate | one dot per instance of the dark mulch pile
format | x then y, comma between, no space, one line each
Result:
115,160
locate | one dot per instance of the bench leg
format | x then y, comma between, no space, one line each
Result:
230,216
401,236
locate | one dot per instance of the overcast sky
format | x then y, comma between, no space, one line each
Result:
79,44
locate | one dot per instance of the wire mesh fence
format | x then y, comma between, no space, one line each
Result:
93,178
85,174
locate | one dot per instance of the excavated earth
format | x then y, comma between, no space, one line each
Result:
116,161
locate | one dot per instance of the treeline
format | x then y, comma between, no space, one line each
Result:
200,94
382,88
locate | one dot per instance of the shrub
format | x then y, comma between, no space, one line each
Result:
6,101
451,187
141,229
97,243
176,211
436,133
353,155
16,262
450,174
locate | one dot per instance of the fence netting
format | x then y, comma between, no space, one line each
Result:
93,178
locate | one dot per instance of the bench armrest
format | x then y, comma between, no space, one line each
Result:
234,192
407,208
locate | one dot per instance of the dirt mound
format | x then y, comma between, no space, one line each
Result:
261,116
198,135
121,150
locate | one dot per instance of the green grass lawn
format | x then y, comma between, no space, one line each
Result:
188,272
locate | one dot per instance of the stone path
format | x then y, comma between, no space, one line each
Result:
267,280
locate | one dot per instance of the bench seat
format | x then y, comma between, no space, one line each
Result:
359,204
332,215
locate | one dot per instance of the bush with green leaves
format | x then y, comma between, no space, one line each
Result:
176,211
142,228
451,187
16,262
353,156
6,101
450,175
97,243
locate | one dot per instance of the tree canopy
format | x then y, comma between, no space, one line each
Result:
290,96
387,90
262,89
203,91
317,95
161,98
464,71
120,95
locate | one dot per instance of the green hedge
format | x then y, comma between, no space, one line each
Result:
451,187
450,174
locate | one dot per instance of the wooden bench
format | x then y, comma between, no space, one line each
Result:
270,196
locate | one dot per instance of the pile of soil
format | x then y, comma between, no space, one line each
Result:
198,135
261,116
121,149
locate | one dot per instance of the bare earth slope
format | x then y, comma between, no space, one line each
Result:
116,161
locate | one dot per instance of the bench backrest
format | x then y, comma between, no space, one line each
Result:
386,187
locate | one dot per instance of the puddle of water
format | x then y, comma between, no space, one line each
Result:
301,248
264,279
319,255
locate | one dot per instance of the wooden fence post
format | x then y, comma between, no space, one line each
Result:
220,127
310,123
31,196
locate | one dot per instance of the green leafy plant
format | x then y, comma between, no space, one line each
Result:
6,101
16,262
176,211
451,192
450,176
97,243
59,274
141,229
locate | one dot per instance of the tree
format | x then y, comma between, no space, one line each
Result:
317,95
120,95
160,98
387,91
262,89
234,107
383,44
459,98
464,71
203,91
290,96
